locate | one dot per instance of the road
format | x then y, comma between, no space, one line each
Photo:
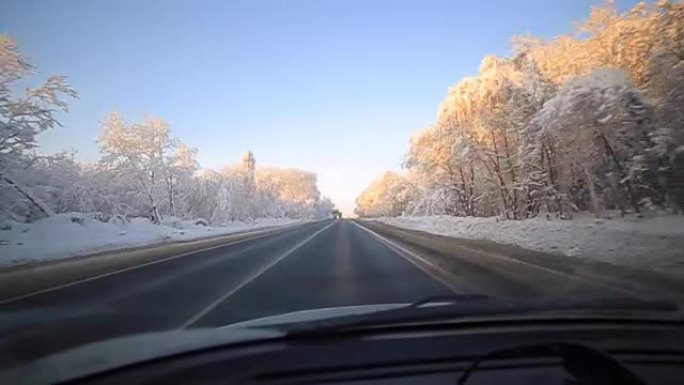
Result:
316,265
321,264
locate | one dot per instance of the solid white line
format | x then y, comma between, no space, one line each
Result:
249,279
77,282
511,260
403,252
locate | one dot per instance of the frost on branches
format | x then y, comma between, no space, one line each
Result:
22,118
144,171
587,122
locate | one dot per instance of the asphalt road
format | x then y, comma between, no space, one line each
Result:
321,264
316,265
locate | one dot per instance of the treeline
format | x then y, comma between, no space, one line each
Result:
592,121
143,169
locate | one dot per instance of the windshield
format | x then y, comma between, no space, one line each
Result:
177,165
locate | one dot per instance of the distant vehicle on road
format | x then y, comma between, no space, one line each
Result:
337,214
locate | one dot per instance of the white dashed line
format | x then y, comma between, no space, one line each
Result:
249,279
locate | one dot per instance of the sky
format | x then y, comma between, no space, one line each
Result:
334,87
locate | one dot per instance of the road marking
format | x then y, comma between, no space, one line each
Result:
403,252
77,282
249,279
570,277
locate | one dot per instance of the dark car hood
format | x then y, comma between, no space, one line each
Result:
118,352
134,349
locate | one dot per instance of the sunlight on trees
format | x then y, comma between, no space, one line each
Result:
22,118
591,121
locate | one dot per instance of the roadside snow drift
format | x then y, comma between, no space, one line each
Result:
655,243
74,234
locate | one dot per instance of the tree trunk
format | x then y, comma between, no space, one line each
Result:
630,191
503,191
467,186
154,211
552,175
514,198
169,187
592,191
34,200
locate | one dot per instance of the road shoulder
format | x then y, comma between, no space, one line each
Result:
478,262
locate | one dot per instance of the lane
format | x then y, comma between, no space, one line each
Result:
511,272
23,283
155,297
317,265
343,266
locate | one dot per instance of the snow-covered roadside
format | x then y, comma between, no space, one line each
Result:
654,243
73,234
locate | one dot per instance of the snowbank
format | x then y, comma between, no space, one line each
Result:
74,234
655,243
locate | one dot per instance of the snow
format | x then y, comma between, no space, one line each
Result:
74,234
653,243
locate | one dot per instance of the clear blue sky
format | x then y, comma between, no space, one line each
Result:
335,87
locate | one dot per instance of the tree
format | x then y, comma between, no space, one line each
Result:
22,118
482,115
296,190
388,195
666,91
140,150
180,167
586,121
599,122
143,170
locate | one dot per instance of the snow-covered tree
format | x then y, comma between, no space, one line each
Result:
324,208
600,123
143,169
140,150
295,190
22,118
586,121
389,195
666,152
179,168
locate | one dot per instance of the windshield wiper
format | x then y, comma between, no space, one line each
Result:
586,364
450,299
430,307
468,305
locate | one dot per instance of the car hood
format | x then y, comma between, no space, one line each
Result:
119,352
135,349
314,315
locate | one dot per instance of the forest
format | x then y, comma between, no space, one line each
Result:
143,170
585,122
